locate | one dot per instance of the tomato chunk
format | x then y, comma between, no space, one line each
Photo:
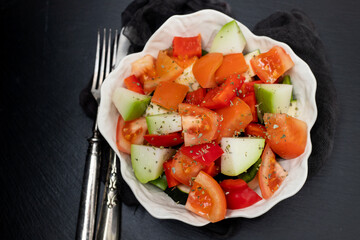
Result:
212,169
271,174
133,84
166,69
256,130
187,46
169,140
206,198
130,132
238,194
269,66
204,69
247,87
220,97
169,95
171,181
235,118
231,64
144,68
199,124
205,153
185,169
196,97
250,100
287,136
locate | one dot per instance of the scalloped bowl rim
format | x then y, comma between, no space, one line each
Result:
155,201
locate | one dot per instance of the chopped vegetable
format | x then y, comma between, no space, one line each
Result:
169,95
204,69
187,46
238,194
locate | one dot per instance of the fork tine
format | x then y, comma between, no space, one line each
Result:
96,68
115,50
108,54
102,66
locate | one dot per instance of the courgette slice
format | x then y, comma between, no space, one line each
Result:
177,195
251,172
160,182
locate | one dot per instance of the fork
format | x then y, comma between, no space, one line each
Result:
88,204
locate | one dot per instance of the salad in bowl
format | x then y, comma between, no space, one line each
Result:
210,121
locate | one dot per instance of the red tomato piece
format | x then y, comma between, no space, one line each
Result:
171,181
269,66
204,69
169,95
187,46
133,84
232,64
212,169
166,69
247,87
205,153
195,97
235,118
238,194
185,169
220,97
130,132
199,124
256,130
287,136
169,140
250,100
206,198
270,174
144,68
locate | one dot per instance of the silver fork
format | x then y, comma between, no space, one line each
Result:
88,205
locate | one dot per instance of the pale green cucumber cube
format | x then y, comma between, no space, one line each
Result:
273,98
131,105
229,39
147,161
240,154
164,123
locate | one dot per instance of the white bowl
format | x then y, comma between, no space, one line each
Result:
207,23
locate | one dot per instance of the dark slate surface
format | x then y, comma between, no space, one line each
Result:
47,58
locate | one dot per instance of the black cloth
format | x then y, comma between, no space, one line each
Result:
143,17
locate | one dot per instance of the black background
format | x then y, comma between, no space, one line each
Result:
48,50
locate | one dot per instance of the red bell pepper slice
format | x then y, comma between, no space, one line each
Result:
169,140
250,100
133,84
187,46
171,181
238,194
256,129
220,97
205,153
196,97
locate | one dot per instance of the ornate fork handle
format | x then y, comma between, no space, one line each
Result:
109,222
89,193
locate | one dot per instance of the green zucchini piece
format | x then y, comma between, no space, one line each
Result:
160,182
177,195
287,80
251,172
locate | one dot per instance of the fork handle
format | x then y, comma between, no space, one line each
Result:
110,215
89,194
